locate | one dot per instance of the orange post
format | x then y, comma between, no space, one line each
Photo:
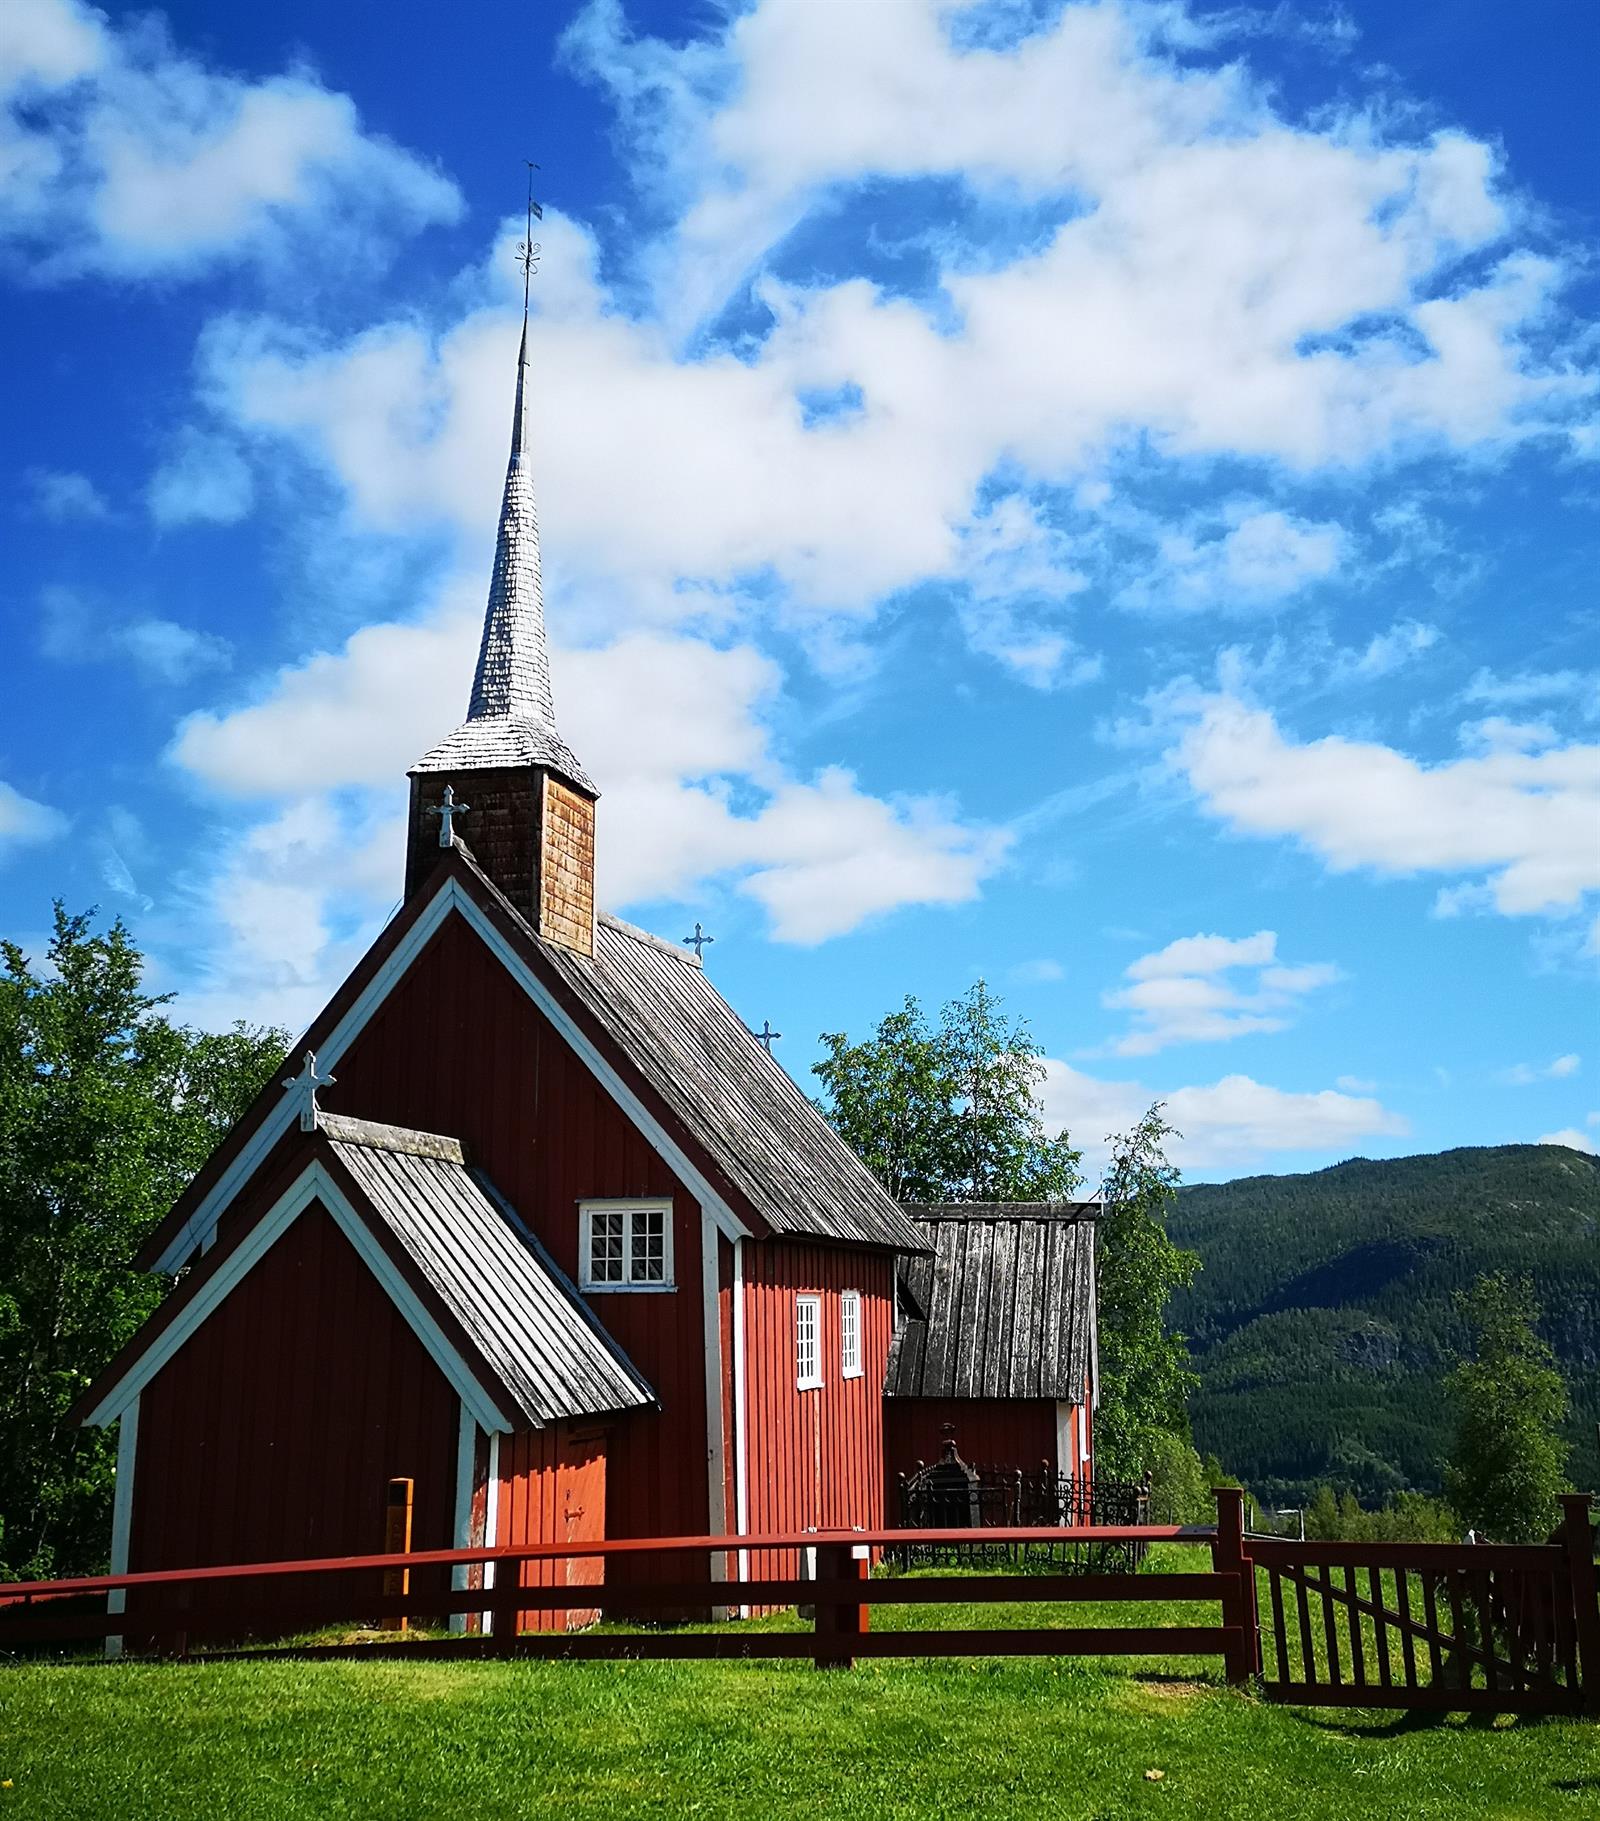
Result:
397,1541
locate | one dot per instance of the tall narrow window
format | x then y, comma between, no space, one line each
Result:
807,1342
626,1245
850,1334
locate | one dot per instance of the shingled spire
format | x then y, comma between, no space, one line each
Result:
532,822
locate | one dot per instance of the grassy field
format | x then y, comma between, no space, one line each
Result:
971,1739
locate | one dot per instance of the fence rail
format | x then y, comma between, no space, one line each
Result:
1454,1626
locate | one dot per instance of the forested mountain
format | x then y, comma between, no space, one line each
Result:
1322,1322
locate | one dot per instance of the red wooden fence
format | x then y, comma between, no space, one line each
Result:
1454,1626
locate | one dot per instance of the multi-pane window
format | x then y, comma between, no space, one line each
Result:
850,1334
807,1342
627,1245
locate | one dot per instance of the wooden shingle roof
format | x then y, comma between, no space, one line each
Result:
522,1315
738,1102
1002,1306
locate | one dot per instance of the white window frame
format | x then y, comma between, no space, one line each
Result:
850,1300
802,1380
626,1207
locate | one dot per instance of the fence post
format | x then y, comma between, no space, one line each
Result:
835,1626
397,1541
1241,1659
1579,1541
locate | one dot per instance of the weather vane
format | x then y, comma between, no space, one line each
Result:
528,250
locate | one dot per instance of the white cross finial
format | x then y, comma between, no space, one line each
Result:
305,1086
447,811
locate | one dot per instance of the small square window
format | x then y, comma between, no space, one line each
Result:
807,1342
850,1334
626,1245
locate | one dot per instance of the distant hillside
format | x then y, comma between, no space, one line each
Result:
1322,1322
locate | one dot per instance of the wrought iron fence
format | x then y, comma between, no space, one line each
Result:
996,1497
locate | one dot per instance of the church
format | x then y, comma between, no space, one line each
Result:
539,1225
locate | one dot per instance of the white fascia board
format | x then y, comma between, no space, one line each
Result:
716,1460
122,1516
313,1184
282,1116
450,898
645,1122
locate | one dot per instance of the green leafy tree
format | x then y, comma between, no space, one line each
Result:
107,1109
1508,1462
1145,1376
948,1112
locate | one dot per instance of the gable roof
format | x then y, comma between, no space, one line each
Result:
661,1040
499,1318
1002,1306
740,1103
523,1316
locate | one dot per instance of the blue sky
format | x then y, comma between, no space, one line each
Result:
1100,497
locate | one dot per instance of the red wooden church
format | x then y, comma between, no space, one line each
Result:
538,1225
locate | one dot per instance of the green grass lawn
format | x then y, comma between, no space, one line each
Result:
505,1739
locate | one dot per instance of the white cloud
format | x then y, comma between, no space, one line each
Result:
1573,1139
673,730
1235,1122
1179,301
1355,1084
205,480
1581,688
23,821
120,154
65,496
1385,652
1247,557
1524,1074
1183,993
1522,819
74,631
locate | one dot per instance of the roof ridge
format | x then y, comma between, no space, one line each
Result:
372,1135
1080,1208
649,938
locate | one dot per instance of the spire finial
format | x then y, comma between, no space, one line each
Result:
528,250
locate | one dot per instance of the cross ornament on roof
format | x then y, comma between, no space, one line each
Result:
766,1036
697,941
447,811
304,1086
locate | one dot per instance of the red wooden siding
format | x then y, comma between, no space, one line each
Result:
1013,1432
553,1490
459,1048
815,1457
274,1430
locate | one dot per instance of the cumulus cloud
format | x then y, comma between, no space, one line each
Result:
1236,1122
205,480
1178,301
74,630
1520,814
1208,989
1573,1139
119,153
673,730
23,821
1525,1074
65,496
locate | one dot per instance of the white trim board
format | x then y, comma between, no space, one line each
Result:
716,1459
313,1184
122,1515
466,1459
450,897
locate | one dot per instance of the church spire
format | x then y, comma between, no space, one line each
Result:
511,716
531,824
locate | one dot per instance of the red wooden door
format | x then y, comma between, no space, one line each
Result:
581,1510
